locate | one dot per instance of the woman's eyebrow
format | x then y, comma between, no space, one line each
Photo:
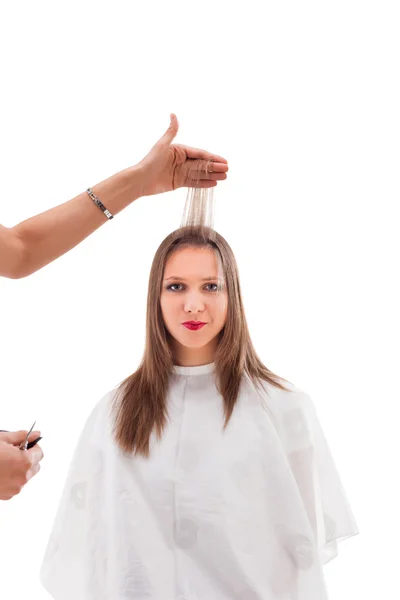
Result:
202,279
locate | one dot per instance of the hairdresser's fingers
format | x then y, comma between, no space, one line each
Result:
171,132
201,154
32,472
208,176
217,176
204,169
34,435
35,455
216,167
204,175
17,437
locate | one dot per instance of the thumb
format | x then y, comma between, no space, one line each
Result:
171,132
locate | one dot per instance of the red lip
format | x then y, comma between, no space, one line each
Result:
194,325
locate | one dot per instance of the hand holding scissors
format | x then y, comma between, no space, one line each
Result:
16,467
25,445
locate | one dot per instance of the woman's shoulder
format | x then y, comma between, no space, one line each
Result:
281,400
291,411
98,424
101,412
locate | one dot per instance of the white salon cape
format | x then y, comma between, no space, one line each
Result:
252,512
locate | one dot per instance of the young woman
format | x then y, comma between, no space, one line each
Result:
36,242
203,476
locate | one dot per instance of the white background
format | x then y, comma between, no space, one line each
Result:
303,100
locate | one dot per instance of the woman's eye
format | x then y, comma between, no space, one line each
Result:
214,286
174,285
210,287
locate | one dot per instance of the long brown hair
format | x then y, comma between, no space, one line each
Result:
141,399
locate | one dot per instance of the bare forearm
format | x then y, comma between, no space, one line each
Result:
51,234
36,242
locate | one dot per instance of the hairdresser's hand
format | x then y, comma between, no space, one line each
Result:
17,466
170,166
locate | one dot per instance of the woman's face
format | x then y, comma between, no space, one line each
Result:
192,292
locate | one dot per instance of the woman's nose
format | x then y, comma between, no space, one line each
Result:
193,303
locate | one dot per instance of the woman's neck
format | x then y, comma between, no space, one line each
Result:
193,357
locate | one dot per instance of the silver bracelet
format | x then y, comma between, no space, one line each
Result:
99,203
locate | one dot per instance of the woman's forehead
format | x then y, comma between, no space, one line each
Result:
192,263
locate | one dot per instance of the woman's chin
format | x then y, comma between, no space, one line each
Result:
193,343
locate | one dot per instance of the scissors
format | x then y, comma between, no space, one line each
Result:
24,444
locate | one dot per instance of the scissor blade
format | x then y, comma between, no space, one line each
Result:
25,442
